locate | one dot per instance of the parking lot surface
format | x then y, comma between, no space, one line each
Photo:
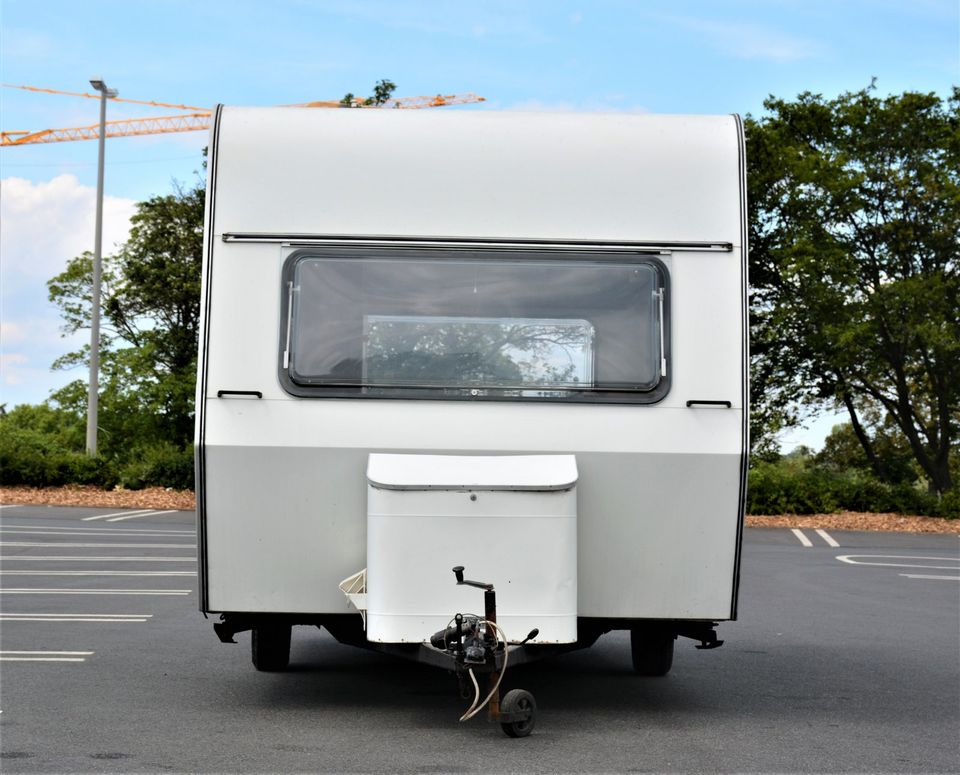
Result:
846,657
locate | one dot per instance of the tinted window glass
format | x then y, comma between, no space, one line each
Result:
475,324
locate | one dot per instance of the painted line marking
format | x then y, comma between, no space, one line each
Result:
95,530
69,591
45,656
855,559
115,514
34,558
96,573
4,658
137,516
923,576
74,618
66,545
9,505
827,537
801,537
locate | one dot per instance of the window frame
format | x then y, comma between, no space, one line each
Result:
413,252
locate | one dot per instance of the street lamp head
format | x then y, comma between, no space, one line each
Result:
98,84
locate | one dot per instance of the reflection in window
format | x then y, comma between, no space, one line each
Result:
486,352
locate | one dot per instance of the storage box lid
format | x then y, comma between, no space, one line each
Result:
471,472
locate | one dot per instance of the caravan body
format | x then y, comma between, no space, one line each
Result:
392,299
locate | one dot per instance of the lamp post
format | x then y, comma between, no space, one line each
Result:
94,385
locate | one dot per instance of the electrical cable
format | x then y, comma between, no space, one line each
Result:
474,709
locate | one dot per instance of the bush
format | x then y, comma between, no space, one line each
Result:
950,503
159,465
36,459
796,486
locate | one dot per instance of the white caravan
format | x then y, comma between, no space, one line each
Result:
511,342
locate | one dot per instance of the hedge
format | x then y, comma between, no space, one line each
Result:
36,459
786,488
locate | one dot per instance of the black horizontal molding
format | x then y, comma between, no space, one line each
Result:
475,242
256,393
697,402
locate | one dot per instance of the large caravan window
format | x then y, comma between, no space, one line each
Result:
502,326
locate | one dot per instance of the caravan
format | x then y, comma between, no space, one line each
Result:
506,345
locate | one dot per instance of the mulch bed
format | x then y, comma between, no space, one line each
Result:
852,520
87,495
162,499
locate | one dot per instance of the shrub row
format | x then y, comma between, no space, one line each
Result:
36,459
778,488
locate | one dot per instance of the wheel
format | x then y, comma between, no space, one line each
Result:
651,651
520,703
270,647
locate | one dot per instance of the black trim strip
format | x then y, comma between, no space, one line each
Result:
203,360
350,239
745,362
696,402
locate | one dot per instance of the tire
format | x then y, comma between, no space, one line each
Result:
270,647
651,651
518,701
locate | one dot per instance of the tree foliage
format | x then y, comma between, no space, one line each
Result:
151,313
854,236
382,92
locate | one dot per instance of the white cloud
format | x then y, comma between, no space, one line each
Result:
44,225
11,333
745,40
8,367
47,224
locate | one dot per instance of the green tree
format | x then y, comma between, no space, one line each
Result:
151,308
382,92
854,236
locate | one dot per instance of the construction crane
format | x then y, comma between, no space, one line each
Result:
198,119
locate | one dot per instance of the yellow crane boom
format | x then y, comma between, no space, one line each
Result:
192,122
188,122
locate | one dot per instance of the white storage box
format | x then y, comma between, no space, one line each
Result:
511,521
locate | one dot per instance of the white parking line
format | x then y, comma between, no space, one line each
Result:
137,516
115,514
95,530
69,591
858,559
65,544
95,618
45,656
827,537
922,576
9,505
801,537
97,573
45,558
42,659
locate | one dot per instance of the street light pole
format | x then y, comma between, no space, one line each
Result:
94,385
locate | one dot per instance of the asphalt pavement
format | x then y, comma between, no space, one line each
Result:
846,658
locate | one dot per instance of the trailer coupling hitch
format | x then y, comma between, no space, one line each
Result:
480,645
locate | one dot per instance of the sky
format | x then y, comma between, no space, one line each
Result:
657,56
